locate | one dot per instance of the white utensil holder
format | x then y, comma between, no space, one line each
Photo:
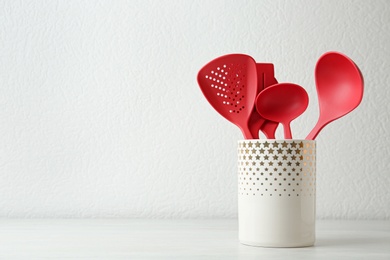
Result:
276,192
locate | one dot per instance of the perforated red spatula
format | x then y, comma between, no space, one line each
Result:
229,83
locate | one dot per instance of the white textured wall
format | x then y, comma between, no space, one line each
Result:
101,115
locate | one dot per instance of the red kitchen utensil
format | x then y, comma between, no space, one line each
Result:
229,83
269,127
282,103
339,88
265,78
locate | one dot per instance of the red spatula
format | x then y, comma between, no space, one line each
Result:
229,83
265,78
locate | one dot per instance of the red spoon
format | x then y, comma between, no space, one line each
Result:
339,88
265,78
282,103
229,83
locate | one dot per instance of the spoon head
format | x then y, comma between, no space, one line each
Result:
339,86
282,102
229,83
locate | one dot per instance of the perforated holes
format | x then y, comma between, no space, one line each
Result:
229,79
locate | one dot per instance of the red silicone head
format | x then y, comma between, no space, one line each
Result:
339,85
282,103
229,83
339,88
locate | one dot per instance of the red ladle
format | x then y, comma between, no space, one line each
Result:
229,83
282,103
339,88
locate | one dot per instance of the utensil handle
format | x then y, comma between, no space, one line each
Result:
255,122
269,129
287,131
317,128
246,133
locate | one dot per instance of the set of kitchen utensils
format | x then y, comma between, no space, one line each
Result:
247,94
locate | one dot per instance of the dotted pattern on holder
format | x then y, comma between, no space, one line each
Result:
276,168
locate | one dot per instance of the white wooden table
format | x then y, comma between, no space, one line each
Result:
180,239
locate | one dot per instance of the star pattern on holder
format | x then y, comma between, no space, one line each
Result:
278,168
